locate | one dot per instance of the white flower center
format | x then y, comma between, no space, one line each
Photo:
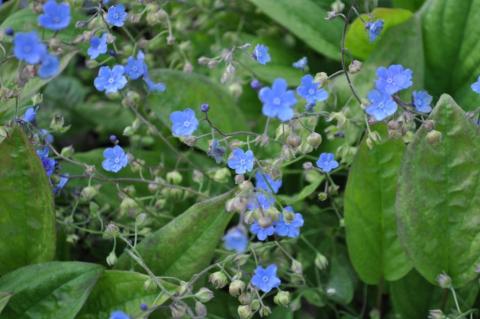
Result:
277,101
242,161
186,123
116,160
311,91
389,80
265,278
111,80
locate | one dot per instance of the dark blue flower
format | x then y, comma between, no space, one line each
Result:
260,53
262,232
374,29
28,47
256,84
61,183
49,66
30,115
115,159
311,90
326,162
267,183
204,107
56,16
235,239
47,162
184,123
393,79
301,64
110,80
9,31
98,45
277,100
116,15
381,105
422,101
266,279
119,315
476,86
241,161
135,67
216,151
289,228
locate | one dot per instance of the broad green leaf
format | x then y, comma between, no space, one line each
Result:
7,8
411,5
4,298
50,290
371,229
438,197
306,20
341,279
27,215
184,246
119,290
358,42
195,90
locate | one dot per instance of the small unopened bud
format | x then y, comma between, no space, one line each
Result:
321,261
178,310
322,196
236,287
128,205
321,78
436,314
307,166
265,311
239,179
200,309
203,60
429,125
294,140
174,177
170,40
314,139
246,186
338,6
354,67
218,279
190,140
222,175
444,280
111,259
67,151
255,305
296,267
244,312
434,137
112,230
89,193
204,295
245,298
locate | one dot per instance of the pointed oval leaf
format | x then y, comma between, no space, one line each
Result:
186,245
49,290
371,228
439,195
27,215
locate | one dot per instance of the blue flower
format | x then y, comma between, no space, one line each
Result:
216,151
154,86
61,183
184,123
374,29
56,16
260,200
267,183
235,239
135,67
261,231
28,47
476,86
241,161
381,105
49,67
98,45
266,279
393,79
277,100
119,315
260,53
46,136
289,228
422,101
116,15
115,159
301,64
326,162
47,162
30,115
311,90
110,80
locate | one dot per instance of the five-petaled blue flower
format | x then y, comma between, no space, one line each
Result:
235,239
277,100
98,45
262,232
267,183
289,228
117,15
241,161
115,159
216,151
119,315
110,80
260,53
301,64
135,67
184,123
47,162
49,67
61,183
28,47
393,79
476,86
381,105
374,29
422,101
311,90
260,199
30,115
326,162
266,279
56,16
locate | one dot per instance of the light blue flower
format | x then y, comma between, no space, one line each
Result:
115,159
56,16
116,15
261,200
381,105
326,162
374,29
61,183
110,80
30,115
311,90
28,47
241,161
422,101
98,45
49,66
267,183
216,151
47,162
260,53
235,239
393,79
119,315
184,123
289,228
266,279
277,100
476,86
135,67
301,64
262,232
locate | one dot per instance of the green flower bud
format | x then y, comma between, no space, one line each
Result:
178,310
314,139
321,78
321,261
255,305
355,66
111,259
88,193
296,267
433,137
204,295
174,177
322,196
294,140
67,151
282,298
112,230
245,298
218,279
200,309
128,205
265,311
244,312
131,99
128,131
236,287
444,281
222,175
183,288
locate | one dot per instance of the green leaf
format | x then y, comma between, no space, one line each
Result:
27,215
438,197
4,298
306,20
357,40
7,8
186,245
50,290
341,279
412,5
315,180
119,290
195,90
370,224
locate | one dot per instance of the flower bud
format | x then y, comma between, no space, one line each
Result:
265,311
239,179
244,312
296,267
88,193
222,175
67,151
178,310
282,298
354,67
314,139
294,140
322,196
111,259
236,287
321,78
436,314
218,279
174,177
429,125
321,261
255,305
245,298
433,137
112,230
200,309
204,295
128,205
444,280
